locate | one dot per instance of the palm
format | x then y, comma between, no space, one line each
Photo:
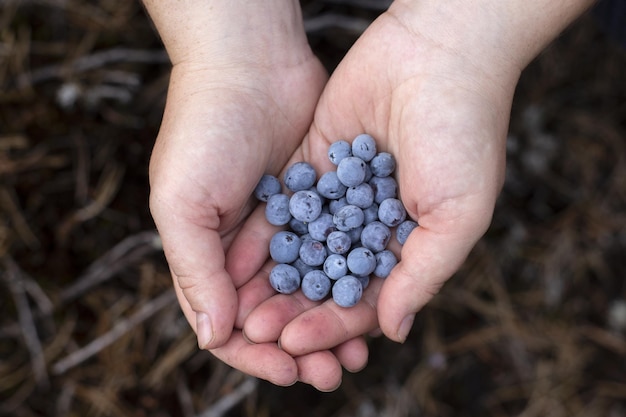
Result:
219,136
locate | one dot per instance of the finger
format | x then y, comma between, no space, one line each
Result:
253,293
264,360
428,259
196,258
322,370
250,248
352,354
268,320
329,325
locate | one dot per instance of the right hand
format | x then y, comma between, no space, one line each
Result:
435,90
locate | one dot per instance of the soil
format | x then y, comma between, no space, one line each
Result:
533,324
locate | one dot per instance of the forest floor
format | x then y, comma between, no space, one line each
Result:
534,323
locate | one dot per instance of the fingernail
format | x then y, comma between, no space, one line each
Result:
204,329
405,327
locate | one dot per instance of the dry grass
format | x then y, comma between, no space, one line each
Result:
533,325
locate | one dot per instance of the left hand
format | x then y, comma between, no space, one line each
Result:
444,114
242,92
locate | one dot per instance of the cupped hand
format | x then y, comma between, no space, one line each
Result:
443,111
230,117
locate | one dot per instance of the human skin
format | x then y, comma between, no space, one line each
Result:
243,88
433,82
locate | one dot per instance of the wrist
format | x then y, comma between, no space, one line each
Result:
504,35
259,32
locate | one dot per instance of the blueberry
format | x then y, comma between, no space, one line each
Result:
285,278
322,198
370,214
329,186
277,210
375,236
335,205
364,147
361,261
335,266
267,186
339,150
404,230
301,227
384,188
320,228
315,285
361,196
368,173
338,242
285,247
339,225
312,252
355,235
391,212
347,291
300,176
305,237
383,164
385,261
348,217
351,171
364,280
305,205
302,267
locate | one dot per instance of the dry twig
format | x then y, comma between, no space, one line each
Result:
227,402
128,251
20,224
93,61
13,278
109,184
145,312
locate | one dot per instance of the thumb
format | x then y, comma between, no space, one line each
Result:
205,290
428,259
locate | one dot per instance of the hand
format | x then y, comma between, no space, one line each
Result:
435,89
238,105
443,111
437,97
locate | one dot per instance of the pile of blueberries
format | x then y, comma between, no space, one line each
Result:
339,225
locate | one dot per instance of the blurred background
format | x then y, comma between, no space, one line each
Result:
534,324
